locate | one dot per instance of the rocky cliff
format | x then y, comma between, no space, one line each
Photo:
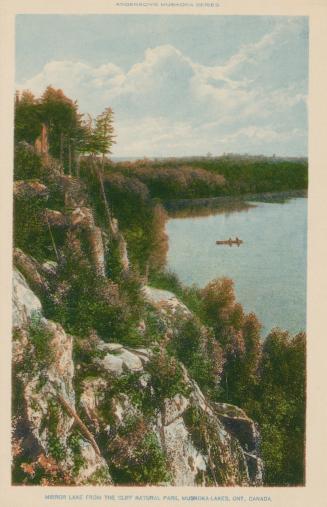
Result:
95,407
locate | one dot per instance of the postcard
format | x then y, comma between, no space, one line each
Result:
164,241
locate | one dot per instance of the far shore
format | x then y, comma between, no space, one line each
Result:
178,204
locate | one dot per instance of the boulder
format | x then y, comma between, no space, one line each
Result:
30,189
82,217
50,267
30,268
131,361
120,359
166,301
111,363
239,424
55,218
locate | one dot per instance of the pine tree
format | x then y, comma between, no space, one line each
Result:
99,140
27,117
103,136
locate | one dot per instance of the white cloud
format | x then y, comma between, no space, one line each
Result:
168,104
255,133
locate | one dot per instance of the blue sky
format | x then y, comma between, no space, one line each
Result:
179,85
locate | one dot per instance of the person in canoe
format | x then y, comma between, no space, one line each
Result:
237,241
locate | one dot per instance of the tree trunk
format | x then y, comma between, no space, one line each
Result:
61,158
84,430
77,165
99,173
69,159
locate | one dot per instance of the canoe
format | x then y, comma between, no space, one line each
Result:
229,242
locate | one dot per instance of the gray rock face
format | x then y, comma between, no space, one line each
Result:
199,448
48,409
186,461
25,302
96,242
94,469
174,408
165,298
123,253
202,443
245,430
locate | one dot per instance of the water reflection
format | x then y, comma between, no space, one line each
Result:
269,269
206,207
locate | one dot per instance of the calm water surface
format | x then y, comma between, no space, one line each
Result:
269,268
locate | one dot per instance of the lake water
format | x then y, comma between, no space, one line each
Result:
268,269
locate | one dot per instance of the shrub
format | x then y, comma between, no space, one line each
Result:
27,164
40,337
167,377
30,231
191,348
137,458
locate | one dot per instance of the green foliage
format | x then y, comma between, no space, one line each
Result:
99,134
239,336
166,280
182,178
40,338
27,164
84,301
63,122
28,117
103,135
56,448
139,395
205,437
194,419
74,442
173,182
219,304
30,231
137,456
100,477
135,213
114,268
281,413
189,347
166,376
66,132
267,381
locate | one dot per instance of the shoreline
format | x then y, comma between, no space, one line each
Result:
178,204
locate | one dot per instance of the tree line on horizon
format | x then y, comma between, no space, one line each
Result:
72,136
